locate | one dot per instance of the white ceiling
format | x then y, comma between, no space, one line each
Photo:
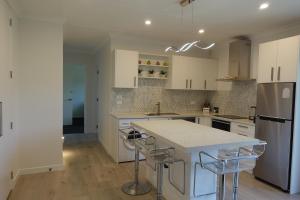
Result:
88,21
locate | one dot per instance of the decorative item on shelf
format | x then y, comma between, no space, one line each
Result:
165,64
157,63
163,74
151,72
148,62
140,72
157,74
140,62
144,73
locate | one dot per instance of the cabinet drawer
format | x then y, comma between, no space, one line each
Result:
126,122
243,129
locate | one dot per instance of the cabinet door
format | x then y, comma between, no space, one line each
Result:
195,74
287,59
179,73
210,73
126,69
267,62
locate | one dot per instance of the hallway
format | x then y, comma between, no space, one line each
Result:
91,175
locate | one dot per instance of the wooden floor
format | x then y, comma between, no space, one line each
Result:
91,175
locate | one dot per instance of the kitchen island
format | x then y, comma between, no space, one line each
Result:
189,139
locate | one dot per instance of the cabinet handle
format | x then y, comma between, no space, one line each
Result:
239,70
241,126
205,83
186,83
278,74
272,73
191,84
134,81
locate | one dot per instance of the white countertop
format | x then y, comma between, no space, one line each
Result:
191,137
180,114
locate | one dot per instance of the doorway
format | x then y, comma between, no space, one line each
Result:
74,98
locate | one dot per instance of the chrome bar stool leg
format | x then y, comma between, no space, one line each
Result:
136,187
159,171
235,186
222,187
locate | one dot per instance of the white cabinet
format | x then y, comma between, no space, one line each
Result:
125,69
188,73
288,59
209,73
278,60
204,120
243,129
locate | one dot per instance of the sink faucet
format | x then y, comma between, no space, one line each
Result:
158,108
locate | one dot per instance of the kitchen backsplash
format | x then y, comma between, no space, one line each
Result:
144,98
237,101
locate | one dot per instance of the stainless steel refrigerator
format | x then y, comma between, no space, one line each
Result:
274,124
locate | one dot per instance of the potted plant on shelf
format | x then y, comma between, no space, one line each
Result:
151,72
163,73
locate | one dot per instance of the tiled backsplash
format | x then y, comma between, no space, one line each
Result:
238,100
143,99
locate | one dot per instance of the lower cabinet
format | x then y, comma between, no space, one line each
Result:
243,129
204,120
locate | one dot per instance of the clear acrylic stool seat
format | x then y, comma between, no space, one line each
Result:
231,162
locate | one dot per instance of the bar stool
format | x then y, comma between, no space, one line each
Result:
231,162
135,187
161,157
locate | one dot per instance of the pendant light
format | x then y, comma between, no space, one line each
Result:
187,46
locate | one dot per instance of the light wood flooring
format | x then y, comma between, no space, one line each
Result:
90,174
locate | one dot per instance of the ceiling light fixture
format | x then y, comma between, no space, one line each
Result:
264,6
201,31
148,22
187,46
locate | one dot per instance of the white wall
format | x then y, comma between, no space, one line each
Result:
8,141
40,89
90,107
104,63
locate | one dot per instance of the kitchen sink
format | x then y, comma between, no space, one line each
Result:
160,114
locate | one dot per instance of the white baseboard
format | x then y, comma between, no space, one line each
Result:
41,169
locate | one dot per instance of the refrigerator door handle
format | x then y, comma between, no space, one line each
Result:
273,119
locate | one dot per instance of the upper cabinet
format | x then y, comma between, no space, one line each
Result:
188,73
125,69
278,60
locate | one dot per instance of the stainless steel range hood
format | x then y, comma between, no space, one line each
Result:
239,60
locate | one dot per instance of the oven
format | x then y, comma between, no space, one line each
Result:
221,124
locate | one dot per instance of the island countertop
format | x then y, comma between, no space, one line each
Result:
191,137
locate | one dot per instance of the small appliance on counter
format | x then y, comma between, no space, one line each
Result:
216,110
206,108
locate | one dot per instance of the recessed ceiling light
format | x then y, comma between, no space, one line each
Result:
201,31
264,6
148,22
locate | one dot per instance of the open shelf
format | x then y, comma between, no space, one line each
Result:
145,65
157,78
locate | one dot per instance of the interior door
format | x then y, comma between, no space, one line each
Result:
68,98
288,59
267,62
